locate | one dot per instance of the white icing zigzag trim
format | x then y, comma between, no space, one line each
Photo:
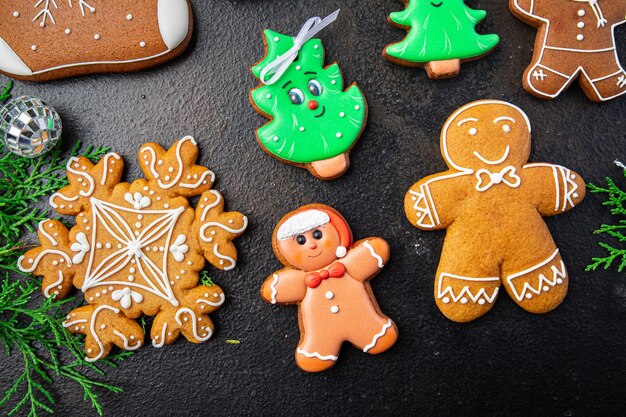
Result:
378,336
424,207
558,277
317,355
273,287
374,254
447,294
562,175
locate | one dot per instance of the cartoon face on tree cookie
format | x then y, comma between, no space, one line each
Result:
327,275
137,248
491,201
441,35
314,122
575,40
43,40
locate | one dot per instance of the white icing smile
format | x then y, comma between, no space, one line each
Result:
494,162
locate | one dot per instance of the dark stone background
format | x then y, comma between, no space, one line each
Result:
571,362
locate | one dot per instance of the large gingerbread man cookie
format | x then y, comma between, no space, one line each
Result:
137,248
575,39
491,201
327,275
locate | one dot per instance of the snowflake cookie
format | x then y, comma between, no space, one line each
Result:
137,248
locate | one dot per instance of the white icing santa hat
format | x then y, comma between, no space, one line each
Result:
309,219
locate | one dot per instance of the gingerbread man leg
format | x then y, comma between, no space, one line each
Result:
464,291
549,74
375,334
318,350
604,78
537,283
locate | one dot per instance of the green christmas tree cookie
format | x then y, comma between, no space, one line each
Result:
441,35
313,122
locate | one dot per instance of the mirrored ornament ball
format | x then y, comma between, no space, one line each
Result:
29,127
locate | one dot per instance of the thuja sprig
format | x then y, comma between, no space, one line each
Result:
615,200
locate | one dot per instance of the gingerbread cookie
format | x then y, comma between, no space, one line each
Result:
43,40
441,35
137,248
314,122
327,275
491,201
575,40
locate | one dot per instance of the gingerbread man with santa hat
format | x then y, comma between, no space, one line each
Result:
327,275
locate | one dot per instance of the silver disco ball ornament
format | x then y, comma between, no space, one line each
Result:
29,127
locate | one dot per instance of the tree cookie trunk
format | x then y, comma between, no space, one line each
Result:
443,69
328,169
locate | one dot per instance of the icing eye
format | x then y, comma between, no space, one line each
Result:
315,87
317,234
300,239
473,131
506,128
296,96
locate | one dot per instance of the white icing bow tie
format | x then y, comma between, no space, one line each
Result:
277,67
487,179
596,10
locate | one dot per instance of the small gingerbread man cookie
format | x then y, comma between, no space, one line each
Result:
491,201
575,39
328,277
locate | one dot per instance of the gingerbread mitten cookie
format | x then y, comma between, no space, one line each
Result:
575,40
441,35
327,275
491,201
137,248
61,38
314,122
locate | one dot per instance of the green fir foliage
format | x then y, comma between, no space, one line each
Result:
615,199
30,326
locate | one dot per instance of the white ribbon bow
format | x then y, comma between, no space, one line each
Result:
596,10
277,67
512,181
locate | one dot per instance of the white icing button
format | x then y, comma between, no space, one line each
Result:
575,195
581,13
276,38
342,114
142,44
16,14
329,295
445,300
473,131
559,281
268,96
334,309
581,25
96,36
129,16
316,46
357,107
546,288
298,67
529,295
275,138
301,128
580,37
463,300
339,134
481,301
506,128
34,47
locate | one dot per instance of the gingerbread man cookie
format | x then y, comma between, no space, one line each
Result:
137,248
491,201
575,39
328,277
43,40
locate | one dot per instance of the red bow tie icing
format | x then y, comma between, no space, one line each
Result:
487,179
314,279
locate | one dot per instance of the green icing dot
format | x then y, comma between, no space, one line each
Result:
328,120
440,30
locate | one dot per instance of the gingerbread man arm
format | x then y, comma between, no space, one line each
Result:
366,258
431,203
284,287
529,9
554,188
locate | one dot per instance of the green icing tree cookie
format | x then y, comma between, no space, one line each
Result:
313,121
441,35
